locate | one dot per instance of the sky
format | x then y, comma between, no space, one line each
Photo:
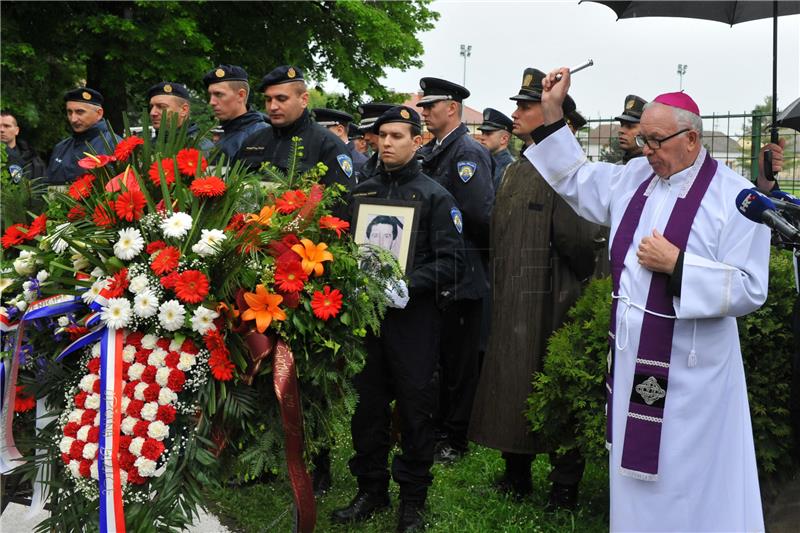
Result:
729,69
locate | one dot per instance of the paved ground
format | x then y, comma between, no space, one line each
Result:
784,515
14,520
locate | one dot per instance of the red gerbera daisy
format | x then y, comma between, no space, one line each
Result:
169,171
187,162
38,226
214,341
76,213
155,246
290,201
336,224
118,284
191,286
104,215
221,366
125,147
208,187
15,234
130,205
327,303
81,187
23,402
95,161
168,281
290,276
166,260
236,222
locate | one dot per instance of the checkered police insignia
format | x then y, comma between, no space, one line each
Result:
86,96
458,221
168,88
346,163
630,104
291,73
219,73
466,169
405,114
650,390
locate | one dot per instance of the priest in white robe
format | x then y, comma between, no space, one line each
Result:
682,455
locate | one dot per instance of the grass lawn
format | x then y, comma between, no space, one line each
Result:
461,499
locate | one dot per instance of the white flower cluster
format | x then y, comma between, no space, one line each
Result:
209,243
177,225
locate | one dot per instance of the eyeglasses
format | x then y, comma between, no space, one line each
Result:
655,144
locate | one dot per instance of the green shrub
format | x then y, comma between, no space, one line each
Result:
568,400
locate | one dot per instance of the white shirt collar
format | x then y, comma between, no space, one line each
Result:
438,142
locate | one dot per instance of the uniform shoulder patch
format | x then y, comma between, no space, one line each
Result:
346,163
458,221
466,169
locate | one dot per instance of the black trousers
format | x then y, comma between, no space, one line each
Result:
567,469
401,366
459,368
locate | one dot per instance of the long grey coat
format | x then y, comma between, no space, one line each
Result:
541,253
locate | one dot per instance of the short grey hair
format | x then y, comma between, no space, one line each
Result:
683,118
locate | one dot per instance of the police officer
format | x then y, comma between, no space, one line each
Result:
90,134
369,114
495,136
169,99
462,166
338,123
228,90
401,361
22,158
357,142
629,127
575,120
286,97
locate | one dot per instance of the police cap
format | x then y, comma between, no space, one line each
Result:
494,120
399,113
225,73
279,75
331,117
531,89
85,95
575,119
169,88
436,89
370,113
354,132
634,106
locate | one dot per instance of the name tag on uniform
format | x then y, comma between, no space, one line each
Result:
254,148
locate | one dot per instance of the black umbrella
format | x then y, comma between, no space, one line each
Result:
790,116
729,12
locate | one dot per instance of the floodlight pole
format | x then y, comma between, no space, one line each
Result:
681,71
466,51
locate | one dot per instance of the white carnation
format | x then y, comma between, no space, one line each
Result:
75,416
63,321
42,276
129,353
158,430
123,477
127,425
177,225
125,403
117,314
203,320
174,345
96,420
209,243
90,450
87,382
162,376
65,444
136,446
171,315
25,264
186,361
138,391
166,396
145,304
149,411
157,357
92,402
138,283
149,341
129,245
75,468
93,471
83,433
135,371
147,467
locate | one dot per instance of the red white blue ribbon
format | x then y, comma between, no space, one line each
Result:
112,519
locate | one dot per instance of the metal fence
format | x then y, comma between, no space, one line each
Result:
732,139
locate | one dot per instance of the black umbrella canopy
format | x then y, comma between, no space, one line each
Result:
790,116
728,12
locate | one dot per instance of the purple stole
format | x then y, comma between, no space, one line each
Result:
648,394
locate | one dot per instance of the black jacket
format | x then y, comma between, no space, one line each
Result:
438,244
319,144
237,130
23,162
464,167
63,167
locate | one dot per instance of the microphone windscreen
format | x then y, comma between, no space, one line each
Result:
752,204
785,196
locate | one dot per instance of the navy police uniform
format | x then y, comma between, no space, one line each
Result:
331,117
178,90
236,130
369,114
63,168
464,167
632,114
401,361
274,144
494,120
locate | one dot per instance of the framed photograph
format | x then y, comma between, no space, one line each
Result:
390,224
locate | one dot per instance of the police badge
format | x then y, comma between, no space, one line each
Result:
466,169
455,214
346,163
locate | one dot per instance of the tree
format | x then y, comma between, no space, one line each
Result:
121,48
612,153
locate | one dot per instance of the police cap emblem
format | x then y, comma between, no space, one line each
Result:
291,73
528,80
167,88
422,84
405,114
86,96
630,104
219,73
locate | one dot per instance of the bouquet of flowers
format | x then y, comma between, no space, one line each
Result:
177,280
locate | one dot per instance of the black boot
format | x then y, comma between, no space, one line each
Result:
518,487
562,497
321,477
364,505
410,516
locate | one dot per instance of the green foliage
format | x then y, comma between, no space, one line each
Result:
17,198
567,405
612,153
124,47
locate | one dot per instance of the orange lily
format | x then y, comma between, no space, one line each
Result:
263,217
313,255
263,308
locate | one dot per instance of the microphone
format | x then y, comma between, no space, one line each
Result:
784,200
760,209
